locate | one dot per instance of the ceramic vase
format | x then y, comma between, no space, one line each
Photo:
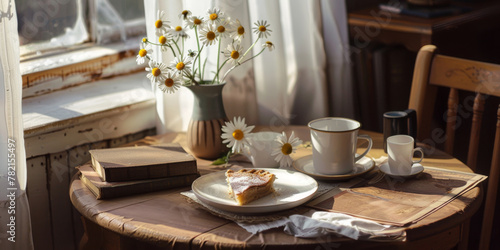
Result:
205,127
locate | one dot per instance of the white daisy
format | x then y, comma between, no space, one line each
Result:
223,27
208,35
172,82
144,50
234,52
237,31
262,29
178,31
285,148
268,45
161,25
235,133
185,14
214,15
163,40
157,71
194,21
181,65
192,53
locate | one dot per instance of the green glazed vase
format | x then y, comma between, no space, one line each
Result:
205,127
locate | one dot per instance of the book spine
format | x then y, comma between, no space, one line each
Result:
150,172
146,187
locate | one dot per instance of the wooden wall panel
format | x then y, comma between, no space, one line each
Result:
61,208
38,197
76,157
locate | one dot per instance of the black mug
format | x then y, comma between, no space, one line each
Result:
400,123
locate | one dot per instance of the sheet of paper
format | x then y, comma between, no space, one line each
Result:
399,201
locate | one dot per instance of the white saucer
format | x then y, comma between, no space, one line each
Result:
305,165
416,169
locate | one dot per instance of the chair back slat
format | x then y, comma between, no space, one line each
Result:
475,132
478,77
491,194
451,120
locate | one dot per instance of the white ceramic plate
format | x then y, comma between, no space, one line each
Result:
292,189
416,169
306,166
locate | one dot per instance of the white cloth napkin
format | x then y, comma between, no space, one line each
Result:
315,224
324,223
258,227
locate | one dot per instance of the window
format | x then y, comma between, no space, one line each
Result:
116,20
54,25
46,25
65,43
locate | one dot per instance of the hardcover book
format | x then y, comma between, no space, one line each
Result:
142,162
107,190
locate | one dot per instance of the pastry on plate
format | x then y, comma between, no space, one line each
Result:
247,185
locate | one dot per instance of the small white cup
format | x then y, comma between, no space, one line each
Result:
334,143
400,151
261,145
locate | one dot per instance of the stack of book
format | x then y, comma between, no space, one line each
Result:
116,172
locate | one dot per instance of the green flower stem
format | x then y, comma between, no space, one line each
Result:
168,45
203,70
176,45
218,70
250,48
253,56
173,52
223,160
157,44
227,158
182,55
218,56
199,52
238,64
190,77
194,62
198,56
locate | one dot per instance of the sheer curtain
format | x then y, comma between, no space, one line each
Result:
305,77
15,225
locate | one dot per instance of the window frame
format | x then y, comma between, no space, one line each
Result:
83,63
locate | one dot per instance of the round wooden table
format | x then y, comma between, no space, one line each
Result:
167,220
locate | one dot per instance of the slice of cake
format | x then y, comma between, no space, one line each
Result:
247,185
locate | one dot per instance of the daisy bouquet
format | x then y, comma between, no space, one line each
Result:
188,67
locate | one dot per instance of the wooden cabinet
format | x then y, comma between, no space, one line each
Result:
462,33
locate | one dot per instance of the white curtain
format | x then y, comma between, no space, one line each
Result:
15,225
305,77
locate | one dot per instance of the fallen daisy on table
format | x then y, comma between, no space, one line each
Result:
286,146
235,133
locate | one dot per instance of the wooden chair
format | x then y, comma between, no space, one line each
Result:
433,70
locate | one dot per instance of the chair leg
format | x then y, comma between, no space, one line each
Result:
491,195
464,242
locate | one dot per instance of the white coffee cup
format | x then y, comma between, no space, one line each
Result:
400,152
334,143
259,149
